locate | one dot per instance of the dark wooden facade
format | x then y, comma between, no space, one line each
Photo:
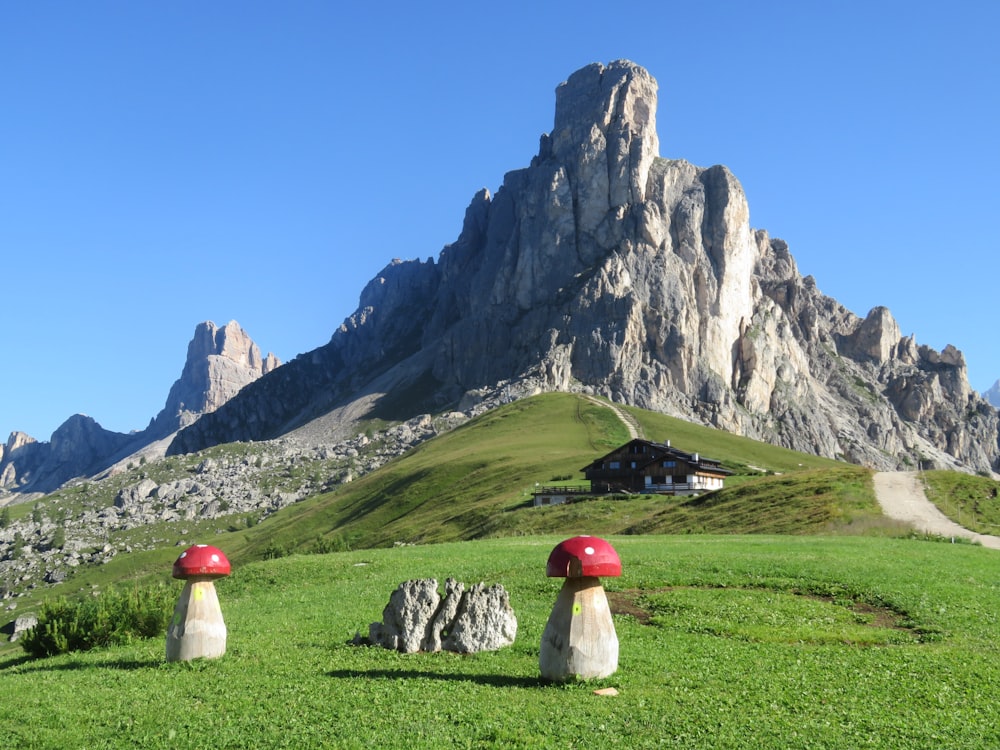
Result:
645,466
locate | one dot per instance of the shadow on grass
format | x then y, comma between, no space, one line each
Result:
26,663
493,680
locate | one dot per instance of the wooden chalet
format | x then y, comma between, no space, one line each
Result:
642,466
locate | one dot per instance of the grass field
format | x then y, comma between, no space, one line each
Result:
726,642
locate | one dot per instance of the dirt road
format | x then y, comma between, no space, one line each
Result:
902,497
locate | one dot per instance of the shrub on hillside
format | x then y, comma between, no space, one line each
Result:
114,617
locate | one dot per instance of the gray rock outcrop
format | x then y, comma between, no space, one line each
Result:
220,362
607,268
22,624
465,621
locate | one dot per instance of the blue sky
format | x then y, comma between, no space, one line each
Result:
169,163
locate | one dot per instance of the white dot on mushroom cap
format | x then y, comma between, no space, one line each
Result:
589,550
215,558
184,554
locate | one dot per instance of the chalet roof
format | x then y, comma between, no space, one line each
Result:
657,452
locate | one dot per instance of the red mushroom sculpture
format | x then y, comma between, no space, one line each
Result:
579,639
197,629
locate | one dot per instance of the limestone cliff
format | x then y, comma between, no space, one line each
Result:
605,267
220,362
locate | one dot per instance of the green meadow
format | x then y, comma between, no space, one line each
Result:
782,612
726,641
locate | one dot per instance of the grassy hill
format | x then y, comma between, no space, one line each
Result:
475,481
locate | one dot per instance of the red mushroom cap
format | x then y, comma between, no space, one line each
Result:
583,556
201,560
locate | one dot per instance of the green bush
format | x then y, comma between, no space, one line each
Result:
114,617
273,551
325,545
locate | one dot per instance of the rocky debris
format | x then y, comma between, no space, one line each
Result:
464,621
130,496
43,547
605,268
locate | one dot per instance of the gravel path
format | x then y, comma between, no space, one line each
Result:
902,497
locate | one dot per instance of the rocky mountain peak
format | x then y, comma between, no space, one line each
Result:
230,342
877,338
16,440
605,136
220,362
78,447
603,267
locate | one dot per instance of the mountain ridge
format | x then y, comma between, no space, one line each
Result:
603,267
220,361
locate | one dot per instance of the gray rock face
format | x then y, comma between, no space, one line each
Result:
220,362
604,267
465,621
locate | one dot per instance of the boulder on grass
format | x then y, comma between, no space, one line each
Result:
464,620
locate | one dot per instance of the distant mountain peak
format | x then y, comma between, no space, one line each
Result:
221,360
993,394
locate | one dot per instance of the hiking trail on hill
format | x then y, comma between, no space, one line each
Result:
901,495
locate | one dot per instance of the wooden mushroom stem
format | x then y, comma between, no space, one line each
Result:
579,639
196,629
